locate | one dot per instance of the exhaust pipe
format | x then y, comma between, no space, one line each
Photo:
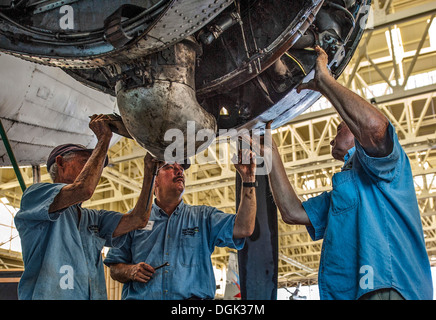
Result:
157,103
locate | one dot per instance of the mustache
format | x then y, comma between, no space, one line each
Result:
179,178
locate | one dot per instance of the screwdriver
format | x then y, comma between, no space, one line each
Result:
164,265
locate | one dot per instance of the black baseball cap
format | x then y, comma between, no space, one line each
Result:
64,149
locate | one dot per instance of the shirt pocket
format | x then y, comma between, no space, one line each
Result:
344,196
97,242
190,250
94,252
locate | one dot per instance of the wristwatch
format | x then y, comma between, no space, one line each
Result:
250,184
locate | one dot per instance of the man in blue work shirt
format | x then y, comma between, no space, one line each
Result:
373,242
61,241
183,236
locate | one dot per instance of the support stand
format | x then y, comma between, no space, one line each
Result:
258,260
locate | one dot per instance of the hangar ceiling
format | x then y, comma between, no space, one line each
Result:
394,68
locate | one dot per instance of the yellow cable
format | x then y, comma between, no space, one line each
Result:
297,62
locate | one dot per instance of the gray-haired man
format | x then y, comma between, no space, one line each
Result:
61,241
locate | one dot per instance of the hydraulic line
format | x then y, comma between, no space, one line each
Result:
12,156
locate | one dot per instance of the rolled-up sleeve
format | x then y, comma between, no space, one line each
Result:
381,168
317,209
36,202
108,221
122,254
221,230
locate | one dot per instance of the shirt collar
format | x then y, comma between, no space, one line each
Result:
348,159
178,209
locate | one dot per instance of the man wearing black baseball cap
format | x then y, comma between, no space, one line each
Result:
61,241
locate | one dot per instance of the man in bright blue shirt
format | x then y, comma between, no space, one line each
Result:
373,243
61,241
183,236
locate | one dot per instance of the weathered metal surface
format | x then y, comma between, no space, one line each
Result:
41,107
170,22
285,21
271,94
251,55
164,114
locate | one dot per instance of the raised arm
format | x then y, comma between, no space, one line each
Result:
140,214
368,124
246,215
83,187
285,197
